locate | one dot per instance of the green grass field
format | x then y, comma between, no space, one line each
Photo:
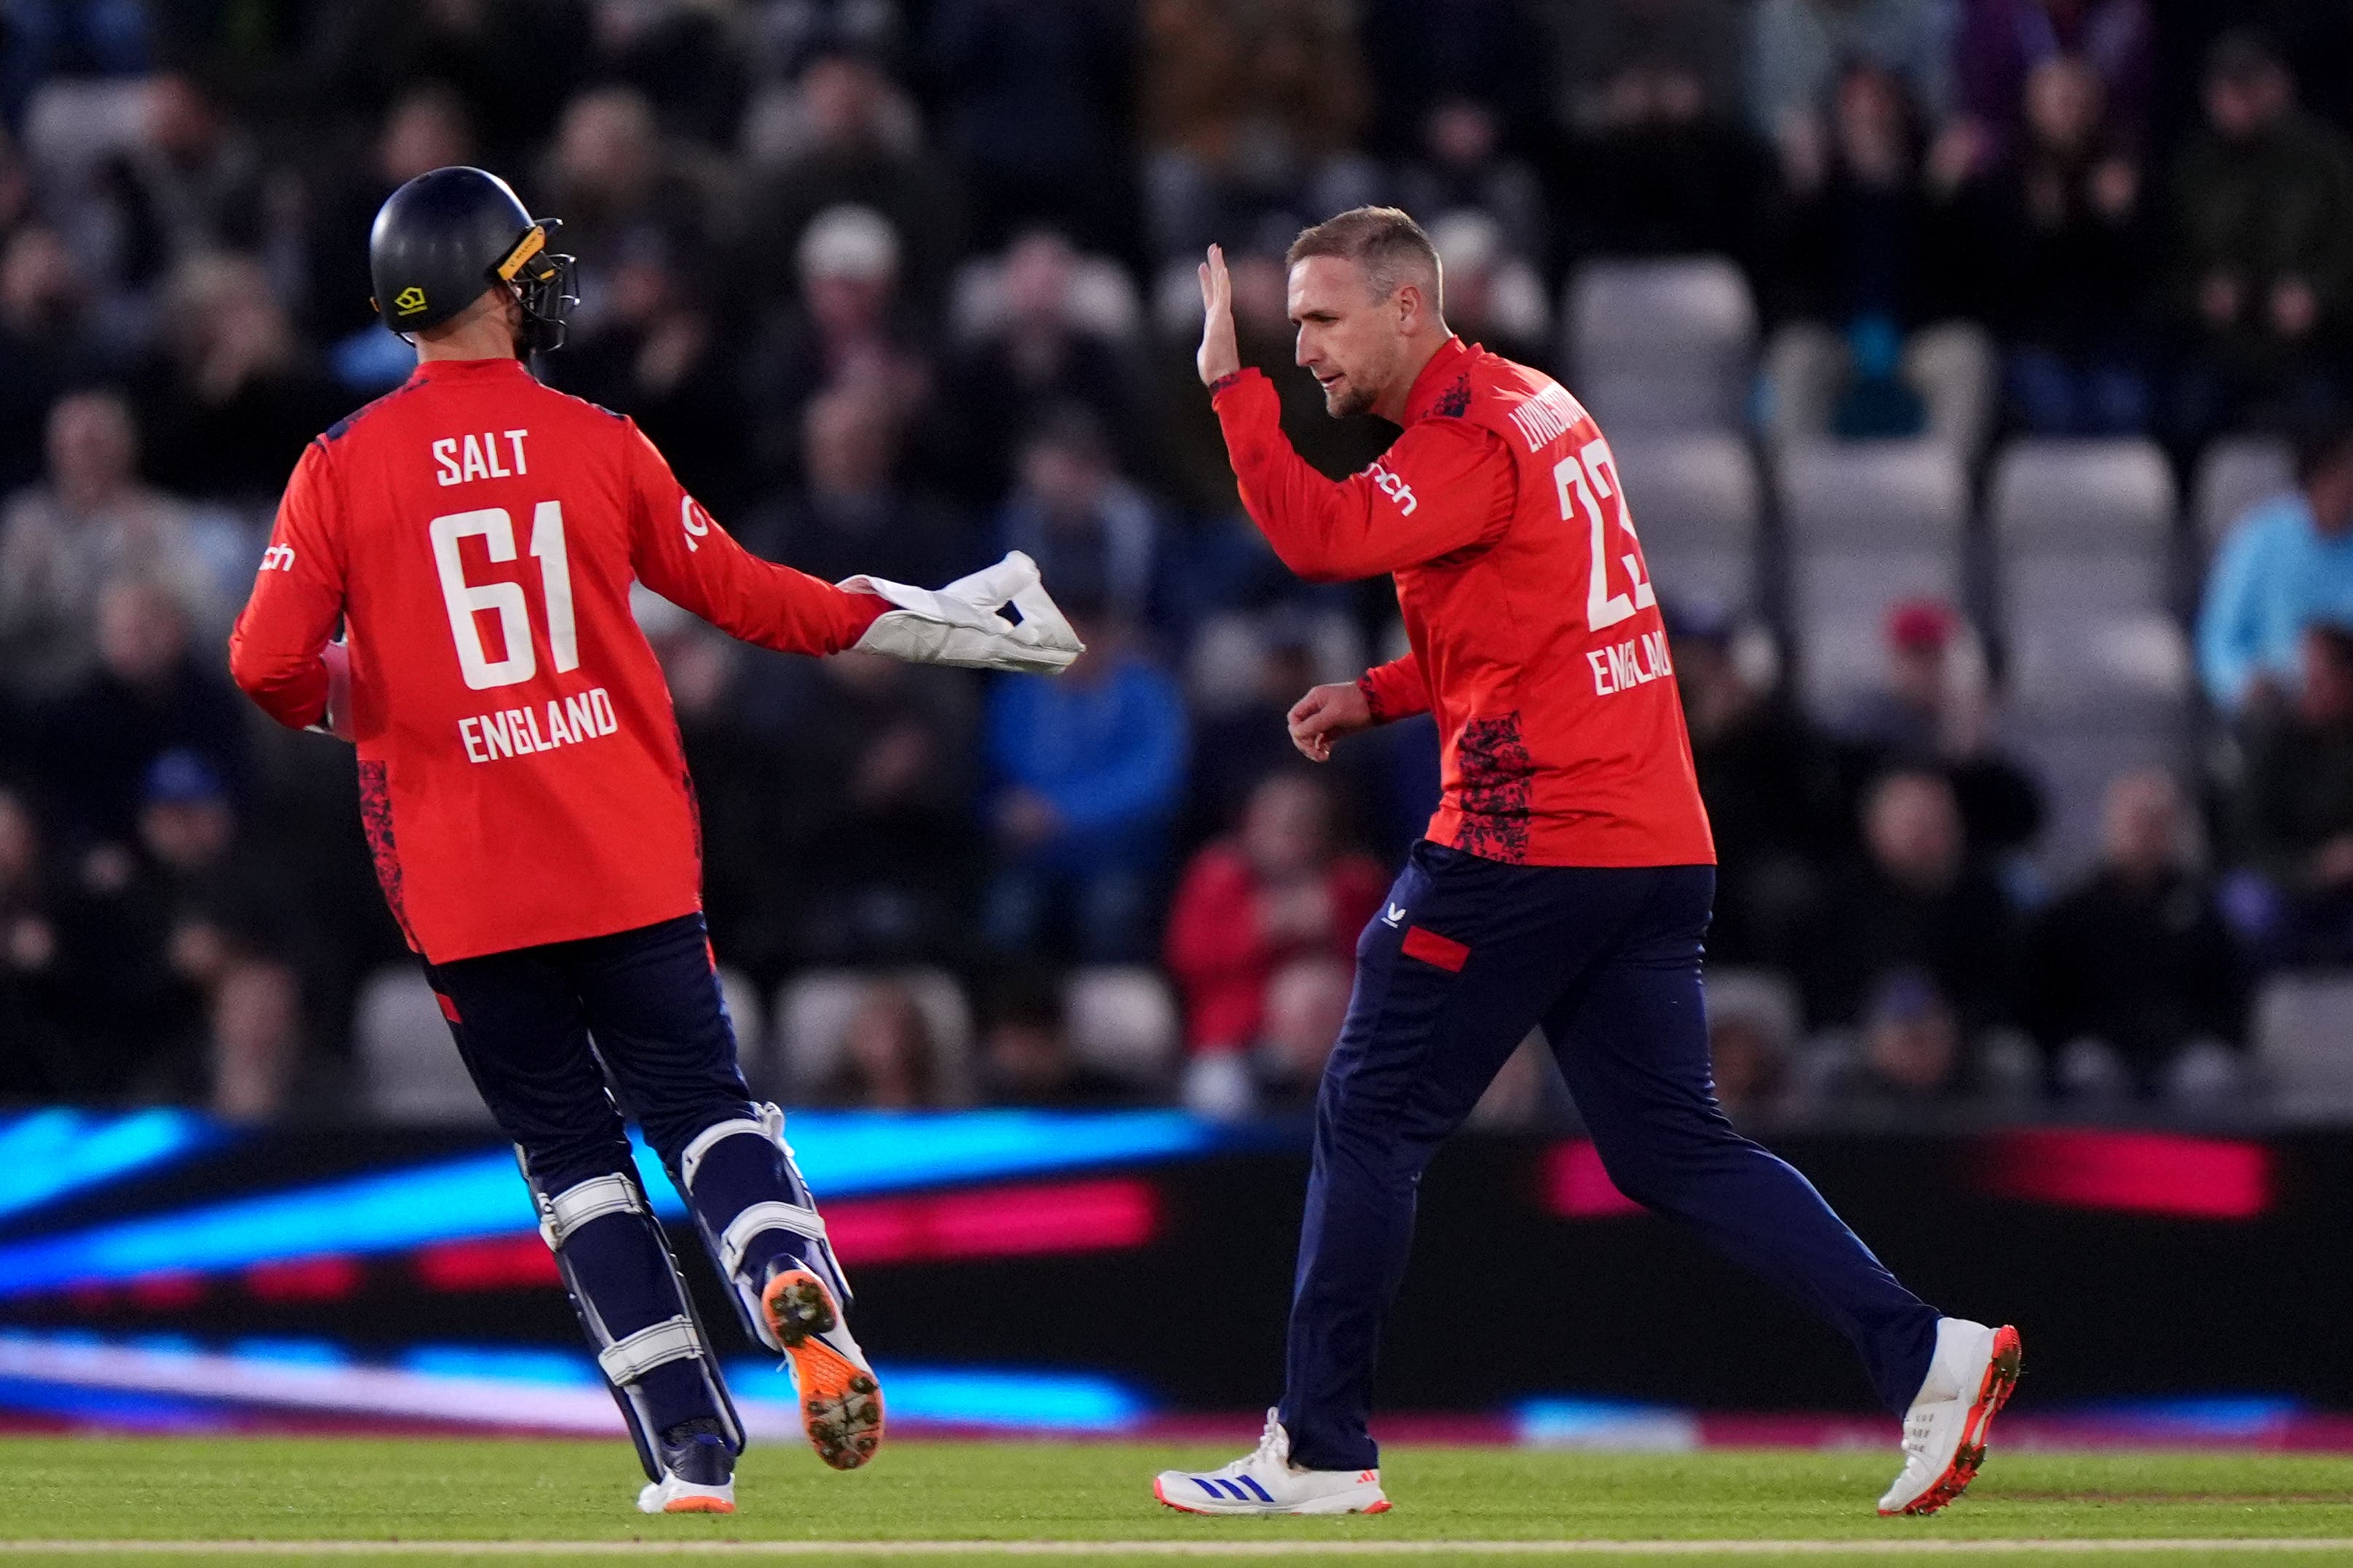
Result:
286,1500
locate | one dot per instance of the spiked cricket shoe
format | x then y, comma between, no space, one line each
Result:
698,1472
1265,1481
841,1402
1970,1378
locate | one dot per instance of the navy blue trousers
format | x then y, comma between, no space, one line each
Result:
1467,957
651,1000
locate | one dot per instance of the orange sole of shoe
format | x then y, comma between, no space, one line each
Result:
698,1505
2000,1382
841,1404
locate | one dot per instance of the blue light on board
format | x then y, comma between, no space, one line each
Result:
108,1408
1000,1397
46,1154
373,1213
502,1364
977,1396
2214,1415
844,1154
1572,1422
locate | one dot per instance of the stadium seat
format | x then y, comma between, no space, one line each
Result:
1662,345
1122,1021
813,1015
1695,502
2099,672
1868,522
2233,474
2304,1041
2083,536
1951,366
409,1068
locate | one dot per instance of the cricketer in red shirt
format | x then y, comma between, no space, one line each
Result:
1566,887
1536,634
520,776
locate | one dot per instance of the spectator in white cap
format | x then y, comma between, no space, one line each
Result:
848,326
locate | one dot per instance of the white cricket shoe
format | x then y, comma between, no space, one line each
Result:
1969,1377
1265,1481
698,1472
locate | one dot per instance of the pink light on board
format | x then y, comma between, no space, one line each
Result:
328,1278
993,1222
521,1261
1576,1185
2131,1172
997,1222
167,1290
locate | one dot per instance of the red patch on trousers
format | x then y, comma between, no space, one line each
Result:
1430,947
449,1008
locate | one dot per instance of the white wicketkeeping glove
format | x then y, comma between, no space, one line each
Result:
959,624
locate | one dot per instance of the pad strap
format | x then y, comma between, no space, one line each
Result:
627,1359
767,1217
593,1199
690,1159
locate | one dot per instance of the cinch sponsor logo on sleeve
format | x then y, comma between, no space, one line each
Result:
1629,664
1396,489
518,732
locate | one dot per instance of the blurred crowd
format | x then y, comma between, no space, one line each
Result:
898,285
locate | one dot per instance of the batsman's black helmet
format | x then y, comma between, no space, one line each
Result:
447,236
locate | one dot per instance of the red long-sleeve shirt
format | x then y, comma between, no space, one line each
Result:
1535,633
520,776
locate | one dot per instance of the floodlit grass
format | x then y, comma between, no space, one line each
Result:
334,1490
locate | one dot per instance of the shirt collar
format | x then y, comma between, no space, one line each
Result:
1437,377
466,369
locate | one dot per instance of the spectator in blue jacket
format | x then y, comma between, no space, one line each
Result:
1090,770
2284,565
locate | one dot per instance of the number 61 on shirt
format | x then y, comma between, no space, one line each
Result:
466,600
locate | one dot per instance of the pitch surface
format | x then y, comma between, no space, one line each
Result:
344,1500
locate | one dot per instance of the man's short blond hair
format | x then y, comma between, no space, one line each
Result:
1384,242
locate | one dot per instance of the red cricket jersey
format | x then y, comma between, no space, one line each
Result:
520,776
1535,633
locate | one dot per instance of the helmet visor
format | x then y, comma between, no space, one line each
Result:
543,280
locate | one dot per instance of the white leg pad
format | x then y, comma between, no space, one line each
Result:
690,1159
624,1362
727,1246
629,1358
567,1211
762,1217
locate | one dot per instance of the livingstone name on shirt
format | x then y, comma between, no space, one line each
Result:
518,732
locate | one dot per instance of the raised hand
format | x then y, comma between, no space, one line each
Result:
1219,357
